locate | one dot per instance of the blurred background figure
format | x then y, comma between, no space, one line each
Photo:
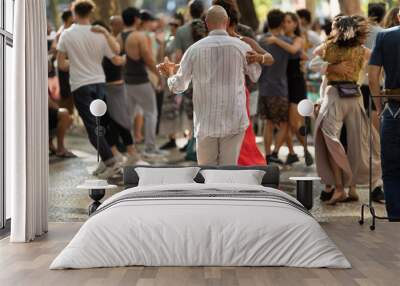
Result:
391,18
66,98
116,25
59,122
154,29
312,38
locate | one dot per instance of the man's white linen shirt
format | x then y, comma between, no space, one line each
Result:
216,66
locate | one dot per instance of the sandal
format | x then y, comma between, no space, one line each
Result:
326,196
66,155
350,199
333,201
352,196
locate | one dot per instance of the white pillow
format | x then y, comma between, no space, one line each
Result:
247,177
166,176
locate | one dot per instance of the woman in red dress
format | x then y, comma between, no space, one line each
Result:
250,154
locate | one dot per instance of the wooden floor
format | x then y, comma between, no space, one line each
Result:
375,257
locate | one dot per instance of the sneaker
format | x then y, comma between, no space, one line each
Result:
292,158
110,172
273,158
119,158
171,144
309,159
132,160
142,163
151,153
377,195
100,169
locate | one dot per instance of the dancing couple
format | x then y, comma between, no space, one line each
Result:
217,66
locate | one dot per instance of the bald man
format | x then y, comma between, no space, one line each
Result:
117,25
216,65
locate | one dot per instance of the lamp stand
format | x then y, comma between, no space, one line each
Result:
98,138
370,205
305,136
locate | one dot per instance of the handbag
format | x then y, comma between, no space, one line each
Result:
348,90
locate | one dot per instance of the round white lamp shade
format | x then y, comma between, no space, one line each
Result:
305,107
98,107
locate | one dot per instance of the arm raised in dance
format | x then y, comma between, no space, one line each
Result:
179,76
259,55
294,48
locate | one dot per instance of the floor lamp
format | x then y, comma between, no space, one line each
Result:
304,190
305,109
97,188
98,108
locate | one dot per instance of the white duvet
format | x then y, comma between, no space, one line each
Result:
204,231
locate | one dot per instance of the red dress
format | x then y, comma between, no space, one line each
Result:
250,155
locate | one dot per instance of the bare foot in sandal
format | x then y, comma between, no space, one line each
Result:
339,195
353,196
65,154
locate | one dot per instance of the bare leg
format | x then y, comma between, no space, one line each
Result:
115,151
328,188
52,148
64,122
289,142
138,128
281,136
353,193
131,150
295,122
268,134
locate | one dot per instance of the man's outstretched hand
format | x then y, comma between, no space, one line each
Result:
167,68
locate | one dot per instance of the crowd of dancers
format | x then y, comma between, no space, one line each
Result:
227,78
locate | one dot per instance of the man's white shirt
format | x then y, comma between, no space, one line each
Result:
216,66
85,50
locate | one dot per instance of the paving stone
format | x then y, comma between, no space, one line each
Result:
66,203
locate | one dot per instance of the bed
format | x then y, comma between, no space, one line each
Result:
201,224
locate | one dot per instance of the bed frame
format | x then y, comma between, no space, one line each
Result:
270,179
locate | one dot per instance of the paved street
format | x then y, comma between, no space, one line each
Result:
66,203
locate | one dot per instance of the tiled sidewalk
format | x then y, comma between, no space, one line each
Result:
66,203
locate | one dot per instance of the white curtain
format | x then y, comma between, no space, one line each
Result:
27,123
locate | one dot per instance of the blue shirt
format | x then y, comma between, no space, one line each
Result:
386,54
273,79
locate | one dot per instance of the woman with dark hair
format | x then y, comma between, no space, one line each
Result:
249,153
296,82
342,104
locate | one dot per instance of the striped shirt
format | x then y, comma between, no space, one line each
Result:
216,65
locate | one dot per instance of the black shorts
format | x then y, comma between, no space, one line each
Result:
65,87
53,118
366,93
